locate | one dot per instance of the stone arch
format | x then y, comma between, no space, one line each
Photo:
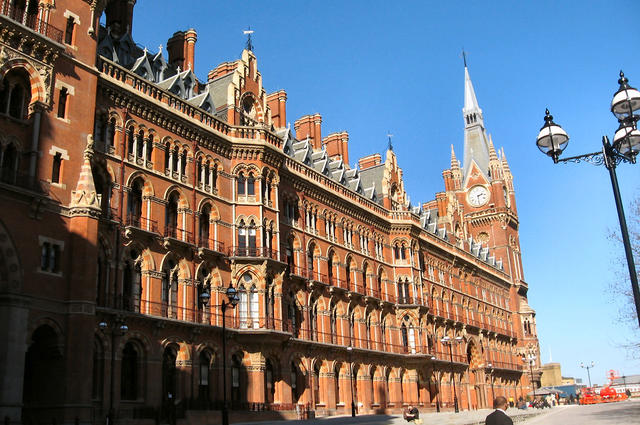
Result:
38,88
147,184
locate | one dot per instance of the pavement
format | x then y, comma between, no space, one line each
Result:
621,413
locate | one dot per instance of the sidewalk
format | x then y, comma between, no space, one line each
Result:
473,417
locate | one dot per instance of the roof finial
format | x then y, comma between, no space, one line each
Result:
248,33
389,135
464,57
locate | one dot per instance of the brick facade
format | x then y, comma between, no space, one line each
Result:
134,195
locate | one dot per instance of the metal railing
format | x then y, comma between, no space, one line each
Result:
179,234
246,251
142,223
31,21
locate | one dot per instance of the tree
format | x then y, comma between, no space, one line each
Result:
620,288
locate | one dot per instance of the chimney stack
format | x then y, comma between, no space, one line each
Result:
337,144
277,102
181,48
310,126
370,161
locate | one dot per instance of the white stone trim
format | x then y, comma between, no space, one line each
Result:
76,18
63,152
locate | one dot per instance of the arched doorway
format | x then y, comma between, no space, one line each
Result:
43,375
169,380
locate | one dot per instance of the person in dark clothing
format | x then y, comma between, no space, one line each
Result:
411,414
499,416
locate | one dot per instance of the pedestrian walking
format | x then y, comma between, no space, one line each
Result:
499,416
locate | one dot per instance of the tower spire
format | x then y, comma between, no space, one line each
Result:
476,143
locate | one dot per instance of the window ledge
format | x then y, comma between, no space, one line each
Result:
48,273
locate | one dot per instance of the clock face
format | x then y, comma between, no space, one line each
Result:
478,196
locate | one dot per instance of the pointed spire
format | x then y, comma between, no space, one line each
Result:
493,156
476,146
389,135
455,164
84,200
471,111
248,32
505,164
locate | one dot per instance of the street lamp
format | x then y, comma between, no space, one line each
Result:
493,394
232,295
119,329
449,342
437,387
531,359
625,106
588,366
353,404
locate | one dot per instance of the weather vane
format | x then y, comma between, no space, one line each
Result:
389,135
248,33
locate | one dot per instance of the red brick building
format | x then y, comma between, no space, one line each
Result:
135,194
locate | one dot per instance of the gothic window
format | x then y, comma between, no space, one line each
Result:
241,184
313,326
243,305
132,283
333,319
403,292
365,273
15,93
254,306
348,272
130,140
310,254
330,267
129,373
139,144
269,382
135,203
205,362
171,215
205,217
379,285
170,289
251,185
236,367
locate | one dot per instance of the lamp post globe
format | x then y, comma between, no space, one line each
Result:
626,100
204,298
627,139
552,139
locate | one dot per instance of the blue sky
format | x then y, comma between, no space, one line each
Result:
369,67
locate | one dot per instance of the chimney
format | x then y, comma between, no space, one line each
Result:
191,37
277,102
370,161
223,69
119,16
181,49
310,126
337,144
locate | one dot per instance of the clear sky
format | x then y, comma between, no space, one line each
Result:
369,67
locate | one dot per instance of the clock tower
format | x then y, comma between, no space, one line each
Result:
486,206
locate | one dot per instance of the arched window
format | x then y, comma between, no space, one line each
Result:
310,255
170,289
135,203
316,383
333,319
236,367
330,268
171,218
352,330
203,233
370,336
269,382
129,373
241,184
15,94
130,141
169,376
348,272
365,273
251,185
336,380
254,305
149,148
295,388
132,283
313,318
205,362
183,162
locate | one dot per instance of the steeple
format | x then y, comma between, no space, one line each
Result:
476,146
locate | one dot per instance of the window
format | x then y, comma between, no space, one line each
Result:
251,185
68,32
129,373
55,169
50,257
62,102
241,184
15,93
205,360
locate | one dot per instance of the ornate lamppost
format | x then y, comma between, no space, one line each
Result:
625,106
353,404
232,296
588,366
490,369
449,342
437,387
531,359
119,328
